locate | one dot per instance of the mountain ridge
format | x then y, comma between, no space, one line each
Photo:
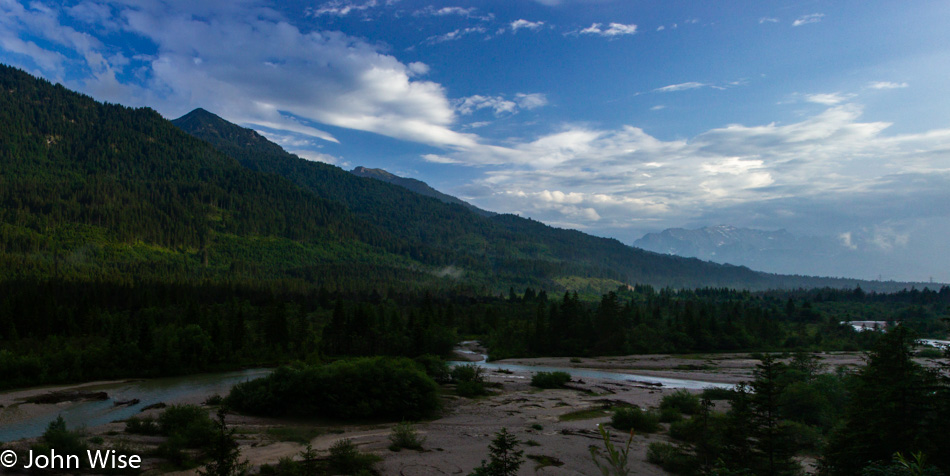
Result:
101,191
417,186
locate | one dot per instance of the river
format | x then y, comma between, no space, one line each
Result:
587,373
16,424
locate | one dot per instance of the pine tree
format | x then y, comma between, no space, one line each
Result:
225,453
505,459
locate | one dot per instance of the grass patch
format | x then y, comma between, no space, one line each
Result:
296,434
585,414
544,460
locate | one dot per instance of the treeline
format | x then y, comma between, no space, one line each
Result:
61,330
644,320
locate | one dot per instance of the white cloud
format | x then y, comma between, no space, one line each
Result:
522,24
768,20
445,11
886,85
806,19
846,240
345,7
454,35
612,30
531,101
316,156
658,107
780,172
680,87
828,99
660,28
439,159
418,69
499,105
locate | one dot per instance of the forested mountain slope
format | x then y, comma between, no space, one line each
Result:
417,186
100,190
518,250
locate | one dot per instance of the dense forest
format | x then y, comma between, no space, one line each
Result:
60,330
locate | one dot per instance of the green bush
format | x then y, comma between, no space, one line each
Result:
670,415
717,393
377,387
190,425
142,426
404,435
550,379
686,430
61,439
346,459
467,373
672,458
633,418
683,401
471,389
435,367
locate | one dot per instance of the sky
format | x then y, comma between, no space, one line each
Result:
614,117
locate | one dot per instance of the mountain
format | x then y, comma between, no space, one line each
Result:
92,191
718,243
417,186
776,251
499,249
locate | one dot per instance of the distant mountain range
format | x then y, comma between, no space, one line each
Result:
94,191
774,251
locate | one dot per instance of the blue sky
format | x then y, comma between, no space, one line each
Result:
616,117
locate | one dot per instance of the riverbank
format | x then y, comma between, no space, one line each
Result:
556,426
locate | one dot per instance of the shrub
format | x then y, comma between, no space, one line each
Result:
633,418
471,389
686,430
141,426
435,367
550,379
346,459
404,435
670,415
467,373
718,393
377,387
930,353
190,425
682,401
672,458
214,400
63,440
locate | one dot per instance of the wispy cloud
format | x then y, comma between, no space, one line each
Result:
454,35
806,19
768,20
345,7
828,99
680,87
612,30
444,11
470,12
886,85
522,24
